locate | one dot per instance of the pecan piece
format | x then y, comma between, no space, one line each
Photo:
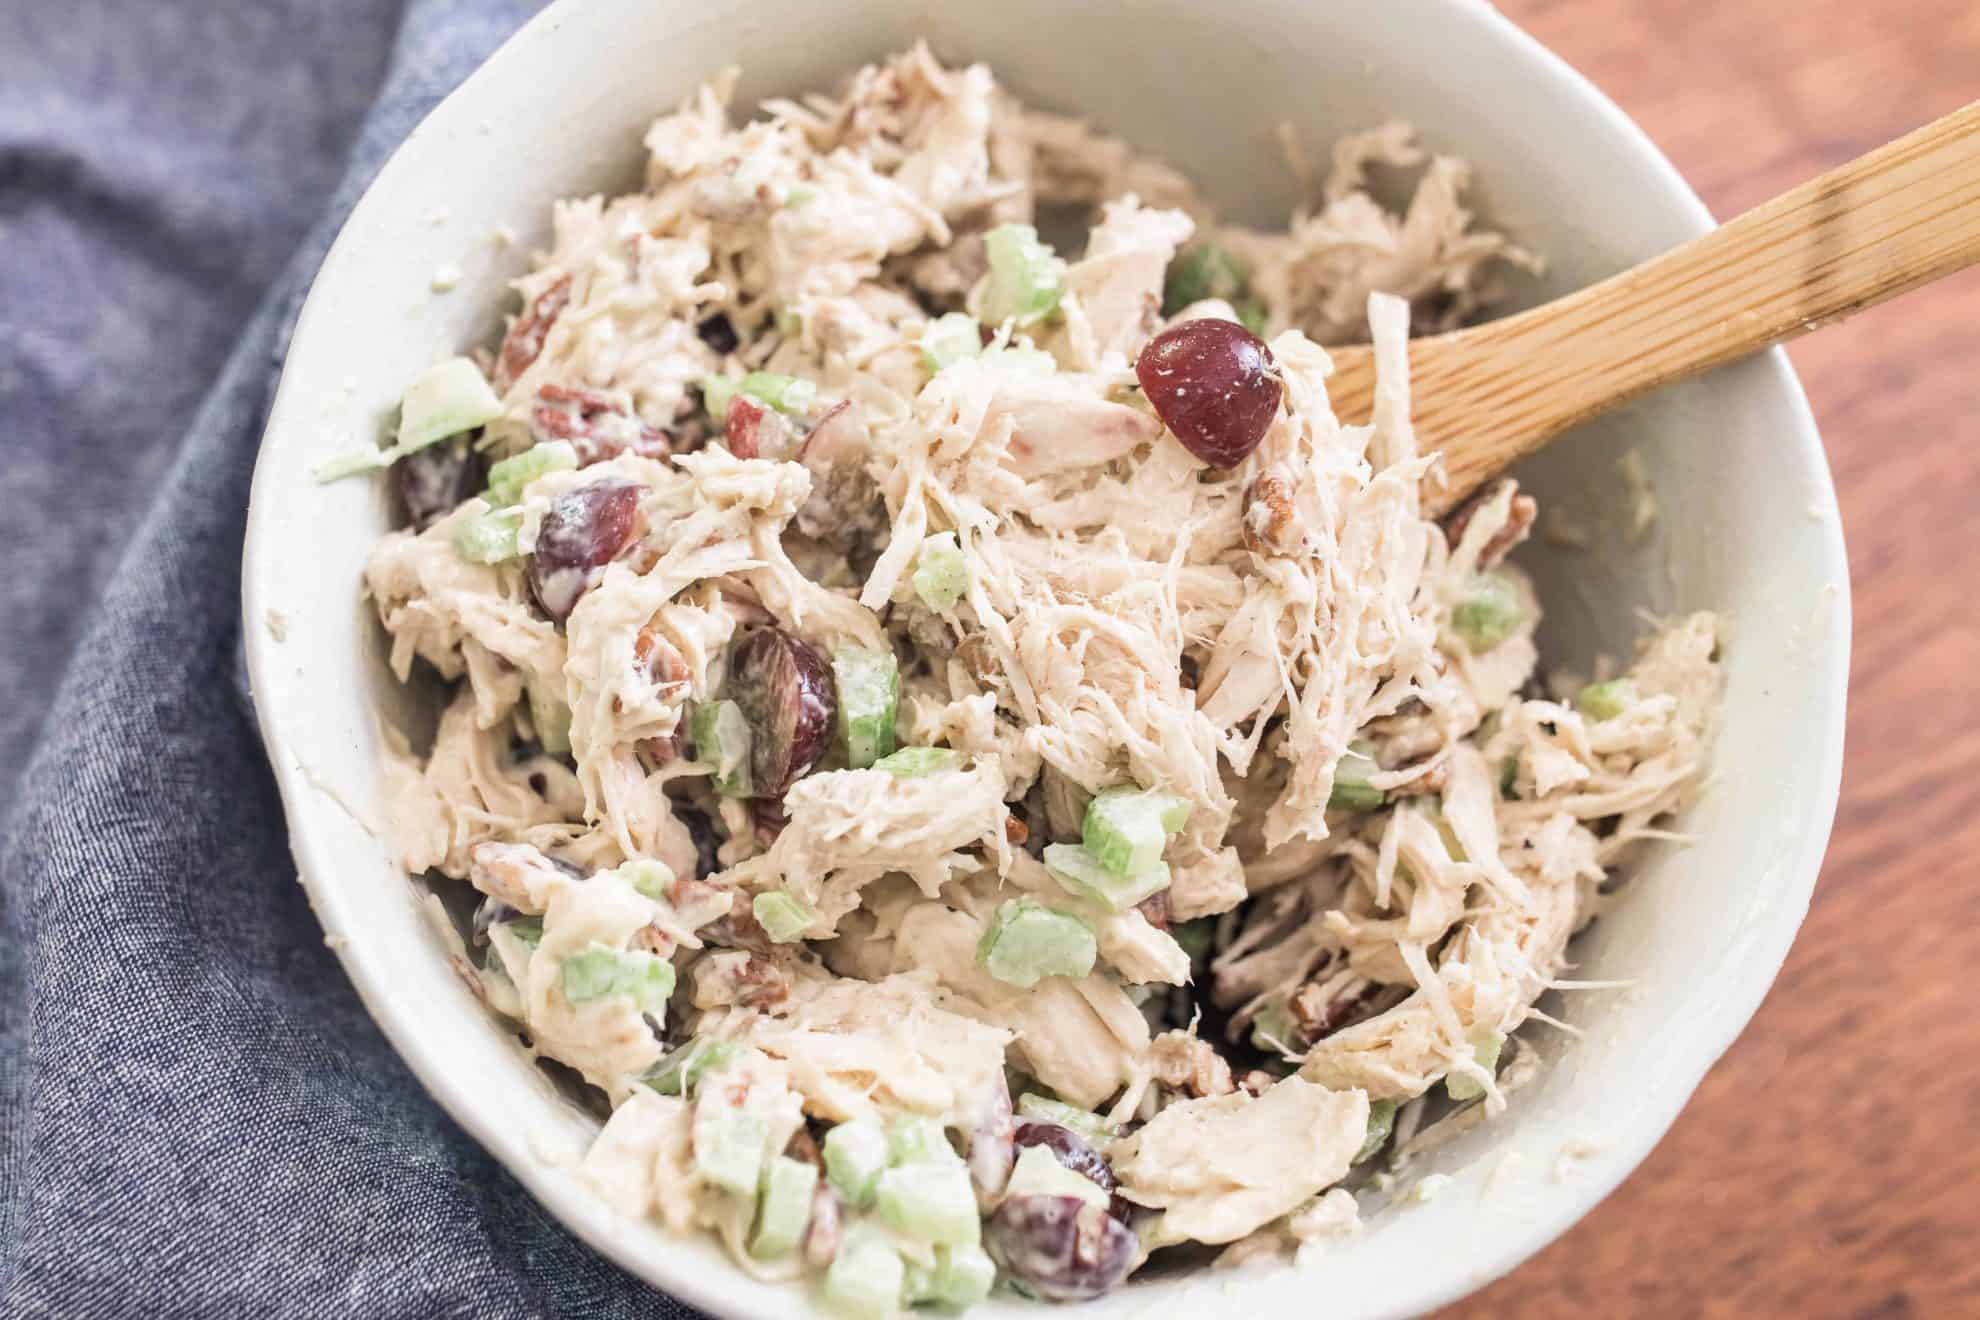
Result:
1519,522
979,658
1320,1008
1189,1063
597,425
1271,522
524,342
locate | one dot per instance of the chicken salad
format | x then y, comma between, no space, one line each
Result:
984,774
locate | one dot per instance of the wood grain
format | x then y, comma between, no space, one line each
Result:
1830,1166
1869,229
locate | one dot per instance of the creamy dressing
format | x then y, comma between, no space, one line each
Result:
1329,934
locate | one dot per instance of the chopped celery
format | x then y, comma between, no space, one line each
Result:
783,1207
591,974
363,458
508,478
855,1153
680,1069
597,971
1028,941
1080,874
529,930
1445,831
960,1278
791,395
1039,1173
1252,315
446,399
914,1139
654,879
1195,937
1272,1030
1023,361
717,393
800,196
932,1202
1127,828
869,689
866,1277
1205,271
551,718
782,917
914,762
1605,701
1381,1122
1352,791
488,538
1026,279
790,324
721,741
1485,1049
1489,613
941,573
729,1147
950,338
1509,778
1084,1122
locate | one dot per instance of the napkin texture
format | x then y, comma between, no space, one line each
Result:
197,1118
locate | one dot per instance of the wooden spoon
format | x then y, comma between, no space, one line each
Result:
1491,394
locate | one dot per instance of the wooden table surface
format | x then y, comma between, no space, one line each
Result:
1830,1165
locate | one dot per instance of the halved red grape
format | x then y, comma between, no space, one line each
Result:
583,531
1075,1153
1060,1247
836,437
785,690
595,424
431,481
1069,1148
756,431
1214,384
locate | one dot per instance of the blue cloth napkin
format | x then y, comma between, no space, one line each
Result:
197,1118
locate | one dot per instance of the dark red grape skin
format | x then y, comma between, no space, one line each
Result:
489,912
583,531
1214,384
718,333
431,481
1073,1151
785,690
1060,1248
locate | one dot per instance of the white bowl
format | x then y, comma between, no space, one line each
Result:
1748,526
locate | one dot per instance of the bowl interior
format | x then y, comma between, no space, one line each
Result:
1746,525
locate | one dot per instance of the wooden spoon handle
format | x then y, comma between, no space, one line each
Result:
1886,222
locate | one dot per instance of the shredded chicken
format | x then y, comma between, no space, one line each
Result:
856,1049
1219,1168
866,709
